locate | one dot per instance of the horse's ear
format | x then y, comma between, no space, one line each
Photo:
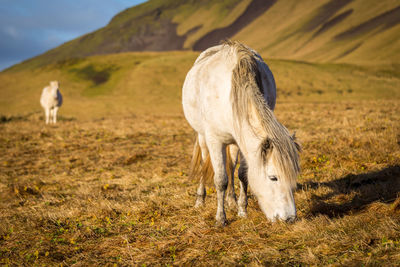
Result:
293,136
266,148
298,146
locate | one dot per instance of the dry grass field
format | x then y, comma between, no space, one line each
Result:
116,191
109,185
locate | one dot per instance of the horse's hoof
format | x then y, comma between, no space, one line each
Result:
221,223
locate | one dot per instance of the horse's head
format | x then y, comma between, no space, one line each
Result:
54,84
276,178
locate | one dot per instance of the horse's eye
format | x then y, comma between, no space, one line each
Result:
273,178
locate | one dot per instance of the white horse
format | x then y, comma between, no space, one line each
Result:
51,100
228,98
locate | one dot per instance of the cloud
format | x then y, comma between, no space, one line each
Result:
11,31
29,28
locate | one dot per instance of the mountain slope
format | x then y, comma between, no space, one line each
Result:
350,31
157,25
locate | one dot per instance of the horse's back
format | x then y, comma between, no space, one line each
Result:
206,95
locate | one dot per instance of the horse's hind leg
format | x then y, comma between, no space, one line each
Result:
201,190
217,152
242,202
231,165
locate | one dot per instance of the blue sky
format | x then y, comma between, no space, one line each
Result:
31,27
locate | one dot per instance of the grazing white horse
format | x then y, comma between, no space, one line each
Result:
228,98
51,99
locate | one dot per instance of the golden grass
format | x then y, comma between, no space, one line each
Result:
109,184
116,191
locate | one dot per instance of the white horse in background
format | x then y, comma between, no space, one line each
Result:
228,98
51,100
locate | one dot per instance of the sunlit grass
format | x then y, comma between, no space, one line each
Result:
116,191
109,185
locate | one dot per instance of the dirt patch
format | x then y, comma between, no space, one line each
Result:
252,12
150,31
162,38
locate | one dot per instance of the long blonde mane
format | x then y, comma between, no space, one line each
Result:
248,105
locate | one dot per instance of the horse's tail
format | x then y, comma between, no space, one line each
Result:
195,164
200,169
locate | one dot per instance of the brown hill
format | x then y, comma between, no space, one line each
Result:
351,31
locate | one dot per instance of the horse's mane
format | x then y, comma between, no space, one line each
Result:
206,54
248,105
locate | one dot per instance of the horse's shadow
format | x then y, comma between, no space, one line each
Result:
352,193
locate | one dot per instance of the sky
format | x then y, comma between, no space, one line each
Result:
31,27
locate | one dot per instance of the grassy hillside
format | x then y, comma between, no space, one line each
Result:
362,32
344,31
138,82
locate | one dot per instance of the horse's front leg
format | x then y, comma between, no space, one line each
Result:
47,114
217,152
231,196
51,115
242,202
55,109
